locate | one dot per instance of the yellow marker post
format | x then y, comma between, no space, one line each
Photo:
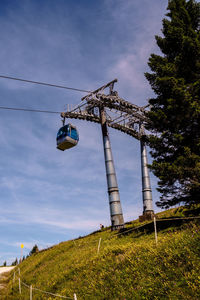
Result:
22,246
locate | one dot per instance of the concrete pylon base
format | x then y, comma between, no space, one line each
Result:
117,227
117,222
147,216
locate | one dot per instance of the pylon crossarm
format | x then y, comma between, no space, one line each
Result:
94,118
118,104
121,115
115,99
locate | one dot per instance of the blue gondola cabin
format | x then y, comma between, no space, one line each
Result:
67,137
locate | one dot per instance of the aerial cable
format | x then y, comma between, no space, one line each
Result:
30,110
44,83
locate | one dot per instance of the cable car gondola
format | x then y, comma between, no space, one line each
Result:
67,137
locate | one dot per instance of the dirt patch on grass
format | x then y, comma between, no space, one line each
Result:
4,279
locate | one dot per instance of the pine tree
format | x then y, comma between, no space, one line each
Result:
34,250
15,263
174,116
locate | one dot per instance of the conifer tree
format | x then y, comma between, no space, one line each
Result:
34,250
15,262
174,116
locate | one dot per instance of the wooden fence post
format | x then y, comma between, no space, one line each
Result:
31,292
99,246
20,291
75,298
155,229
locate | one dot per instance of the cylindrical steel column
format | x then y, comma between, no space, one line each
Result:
117,220
146,186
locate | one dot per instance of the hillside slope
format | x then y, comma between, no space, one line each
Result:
129,265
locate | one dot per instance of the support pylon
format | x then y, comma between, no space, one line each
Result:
146,186
116,215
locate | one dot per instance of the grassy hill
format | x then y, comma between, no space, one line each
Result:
129,265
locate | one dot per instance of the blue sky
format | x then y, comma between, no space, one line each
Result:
48,196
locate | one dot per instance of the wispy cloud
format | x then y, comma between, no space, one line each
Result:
138,43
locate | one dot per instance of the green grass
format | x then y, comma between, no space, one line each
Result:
128,266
